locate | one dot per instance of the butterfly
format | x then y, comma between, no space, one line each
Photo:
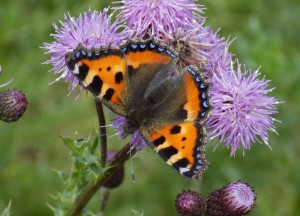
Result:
137,80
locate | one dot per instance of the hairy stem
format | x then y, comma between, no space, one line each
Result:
92,187
102,129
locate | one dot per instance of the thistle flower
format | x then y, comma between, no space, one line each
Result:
13,104
235,199
218,59
152,17
136,139
92,29
190,203
187,43
242,109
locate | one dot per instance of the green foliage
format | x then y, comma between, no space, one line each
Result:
6,211
85,168
136,213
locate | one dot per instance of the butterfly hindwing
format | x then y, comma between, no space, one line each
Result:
197,103
182,146
186,100
176,130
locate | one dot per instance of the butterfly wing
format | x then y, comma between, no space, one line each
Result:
103,72
182,146
175,130
120,76
146,61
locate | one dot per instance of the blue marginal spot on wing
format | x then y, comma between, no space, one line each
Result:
83,52
205,105
170,53
124,49
160,49
134,46
152,45
143,46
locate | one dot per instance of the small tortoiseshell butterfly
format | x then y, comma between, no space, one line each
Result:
134,81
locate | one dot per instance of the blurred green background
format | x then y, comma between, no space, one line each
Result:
267,33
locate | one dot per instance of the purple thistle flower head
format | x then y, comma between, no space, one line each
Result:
137,140
13,104
242,109
190,203
152,17
219,60
92,29
187,42
237,198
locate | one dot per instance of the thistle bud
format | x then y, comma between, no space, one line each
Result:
235,199
117,178
190,203
13,104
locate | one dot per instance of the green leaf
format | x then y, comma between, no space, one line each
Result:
71,144
6,211
87,212
85,168
136,213
64,176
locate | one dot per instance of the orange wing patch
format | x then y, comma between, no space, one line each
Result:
135,59
182,146
100,71
197,105
147,52
193,102
106,75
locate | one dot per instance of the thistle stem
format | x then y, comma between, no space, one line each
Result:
93,186
105,197
102,129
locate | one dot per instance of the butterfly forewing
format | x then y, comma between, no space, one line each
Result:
145,60
103,73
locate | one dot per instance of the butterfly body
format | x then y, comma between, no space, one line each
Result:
137,81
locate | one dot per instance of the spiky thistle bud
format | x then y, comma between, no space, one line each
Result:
13,104
190,203
235,199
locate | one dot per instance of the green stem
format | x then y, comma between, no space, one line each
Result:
92,187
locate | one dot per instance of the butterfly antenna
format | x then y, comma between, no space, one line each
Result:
131,167
115,134
216,147
91,137
108,125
